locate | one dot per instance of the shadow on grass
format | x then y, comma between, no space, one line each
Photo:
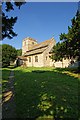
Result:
73,70
38,71
5,78
8,105
46,95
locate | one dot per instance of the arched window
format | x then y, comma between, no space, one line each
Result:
32,43
29,59
46,57
36,58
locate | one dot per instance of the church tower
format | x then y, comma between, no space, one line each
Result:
27,44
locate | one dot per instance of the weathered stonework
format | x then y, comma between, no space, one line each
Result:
27,44
32,50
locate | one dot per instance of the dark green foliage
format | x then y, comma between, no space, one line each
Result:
72,38
9,54
58,51
18,4
51,93
19,52
70,42
8,22
7,29
0,55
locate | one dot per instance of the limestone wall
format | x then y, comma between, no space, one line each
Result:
46,54
33,63
27,44
43,59
60,64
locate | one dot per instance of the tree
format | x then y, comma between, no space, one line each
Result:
8,22
9,54
19,52
58,51
72,38
70,42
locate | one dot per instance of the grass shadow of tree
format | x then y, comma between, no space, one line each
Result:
5,79
8,105
46,94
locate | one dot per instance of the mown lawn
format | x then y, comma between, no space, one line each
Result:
5,78
50,93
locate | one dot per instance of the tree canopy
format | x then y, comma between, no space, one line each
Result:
8,22
19,52
9,54
72,38
69,46
70,42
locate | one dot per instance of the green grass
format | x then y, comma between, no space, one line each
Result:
5,78
48,94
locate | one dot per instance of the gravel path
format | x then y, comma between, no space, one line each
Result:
8,104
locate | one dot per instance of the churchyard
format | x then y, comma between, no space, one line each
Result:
44,92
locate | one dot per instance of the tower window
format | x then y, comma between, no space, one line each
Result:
36,58
29,59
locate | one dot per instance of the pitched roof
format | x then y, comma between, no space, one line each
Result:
38,48
41,45
36,51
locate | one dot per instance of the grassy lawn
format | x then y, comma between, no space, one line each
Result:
5,78
50,93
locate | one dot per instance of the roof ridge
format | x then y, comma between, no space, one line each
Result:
44,44
30,38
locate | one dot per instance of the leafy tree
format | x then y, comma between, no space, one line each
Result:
0,55
72,38
70,42
9,54
58,51
8,22
19,52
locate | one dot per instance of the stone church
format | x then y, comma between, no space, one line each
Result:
38,54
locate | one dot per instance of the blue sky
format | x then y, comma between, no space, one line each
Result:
41,21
